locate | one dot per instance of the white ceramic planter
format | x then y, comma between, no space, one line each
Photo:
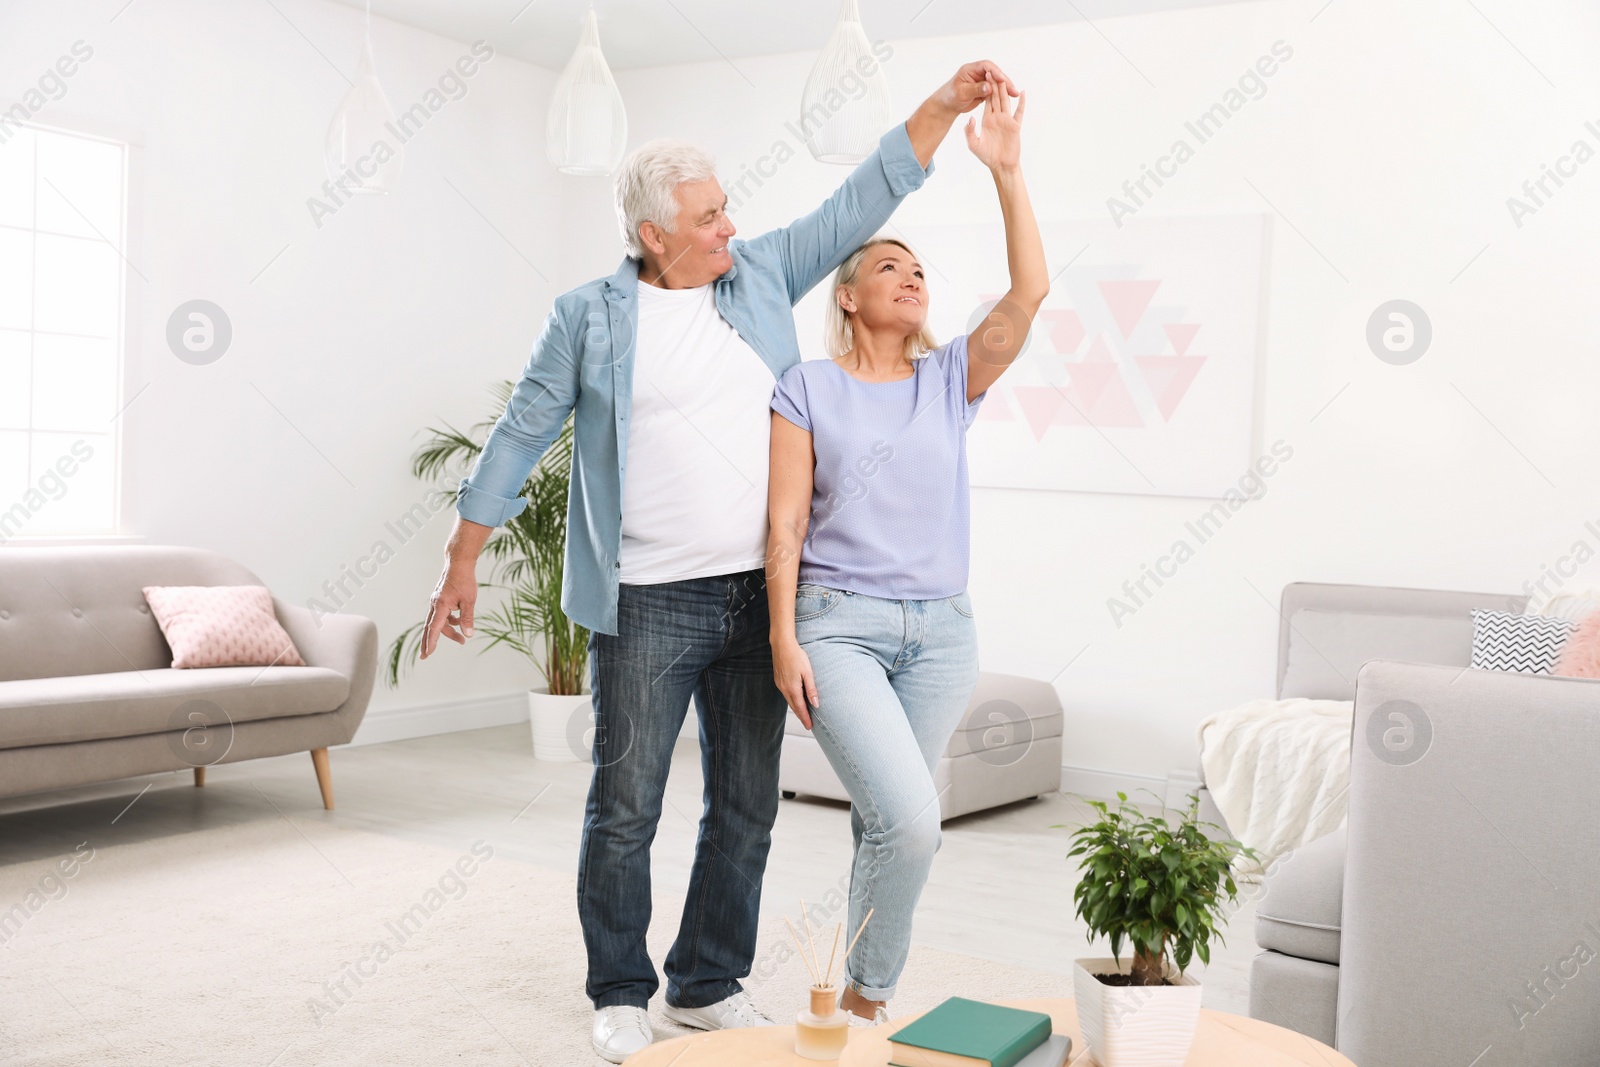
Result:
562,727
1134,1026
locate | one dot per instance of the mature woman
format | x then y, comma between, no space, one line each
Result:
873,641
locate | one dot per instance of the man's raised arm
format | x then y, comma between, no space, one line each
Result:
815,244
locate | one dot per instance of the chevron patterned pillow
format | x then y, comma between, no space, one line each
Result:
1504,641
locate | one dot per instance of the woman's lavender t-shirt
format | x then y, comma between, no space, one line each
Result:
889,511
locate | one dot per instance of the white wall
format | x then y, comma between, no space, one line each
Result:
395,314
1391,140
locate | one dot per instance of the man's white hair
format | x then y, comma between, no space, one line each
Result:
645,184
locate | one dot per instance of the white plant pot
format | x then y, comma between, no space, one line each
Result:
1134,1026
562,726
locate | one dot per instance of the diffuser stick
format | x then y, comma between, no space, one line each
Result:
798,944
853,940
816,964
827,978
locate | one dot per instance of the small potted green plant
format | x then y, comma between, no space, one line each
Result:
1164,891
528,554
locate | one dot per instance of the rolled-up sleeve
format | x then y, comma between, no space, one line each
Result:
811,246
789,398
539,405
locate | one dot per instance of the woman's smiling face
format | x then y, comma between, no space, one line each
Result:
889,291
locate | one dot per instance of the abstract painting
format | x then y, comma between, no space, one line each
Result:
1140,373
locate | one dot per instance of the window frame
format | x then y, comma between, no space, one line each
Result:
125,342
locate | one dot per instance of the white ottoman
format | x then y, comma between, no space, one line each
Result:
1007,748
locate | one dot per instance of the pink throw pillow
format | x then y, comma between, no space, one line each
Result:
1580,655
221,626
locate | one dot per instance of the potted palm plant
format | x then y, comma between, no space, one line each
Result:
1163,891
527,555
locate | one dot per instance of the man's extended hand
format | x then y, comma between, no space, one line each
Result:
970,86
450,607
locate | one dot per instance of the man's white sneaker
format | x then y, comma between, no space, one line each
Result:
727,1014
620,1030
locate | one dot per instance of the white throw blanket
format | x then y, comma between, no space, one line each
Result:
1279,771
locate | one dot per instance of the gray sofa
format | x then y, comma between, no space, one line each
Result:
1443,925
1007,748
88,693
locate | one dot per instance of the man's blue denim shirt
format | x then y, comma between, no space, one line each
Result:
583,362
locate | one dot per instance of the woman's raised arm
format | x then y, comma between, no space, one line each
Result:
995,342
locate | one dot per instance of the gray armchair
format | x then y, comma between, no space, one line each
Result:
1446,923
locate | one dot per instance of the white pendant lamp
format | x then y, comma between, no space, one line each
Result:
360,153
843,123
587,127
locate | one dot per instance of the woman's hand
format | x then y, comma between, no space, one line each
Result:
999,146
968,88
791,672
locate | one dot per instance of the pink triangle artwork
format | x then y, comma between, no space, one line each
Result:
1169,377
1066,329
1181,334
1109,402
1140,375
995,407
1095,395
1039,404
1089,381
1127,301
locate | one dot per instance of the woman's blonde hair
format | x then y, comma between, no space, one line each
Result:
839,332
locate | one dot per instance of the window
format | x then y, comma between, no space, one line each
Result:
61,329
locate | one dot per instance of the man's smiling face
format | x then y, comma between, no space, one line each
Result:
697,251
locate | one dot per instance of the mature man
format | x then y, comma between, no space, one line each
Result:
668,368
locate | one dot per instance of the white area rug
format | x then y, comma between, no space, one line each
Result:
224,947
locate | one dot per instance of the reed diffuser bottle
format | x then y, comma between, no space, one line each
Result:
821,1030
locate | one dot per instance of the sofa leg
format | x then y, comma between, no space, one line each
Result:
319,760
199,777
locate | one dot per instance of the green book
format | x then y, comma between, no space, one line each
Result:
963,1032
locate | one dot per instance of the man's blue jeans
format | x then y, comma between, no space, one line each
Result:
705,637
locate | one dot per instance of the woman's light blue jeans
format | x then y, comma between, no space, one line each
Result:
893,680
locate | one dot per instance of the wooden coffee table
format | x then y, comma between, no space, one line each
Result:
1221,1040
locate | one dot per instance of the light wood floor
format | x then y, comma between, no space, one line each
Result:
1000,888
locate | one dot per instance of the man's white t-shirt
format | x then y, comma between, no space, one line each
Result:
694,490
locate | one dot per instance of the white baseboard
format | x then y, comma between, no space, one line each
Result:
1180,784
425,720
1105,785
504,709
